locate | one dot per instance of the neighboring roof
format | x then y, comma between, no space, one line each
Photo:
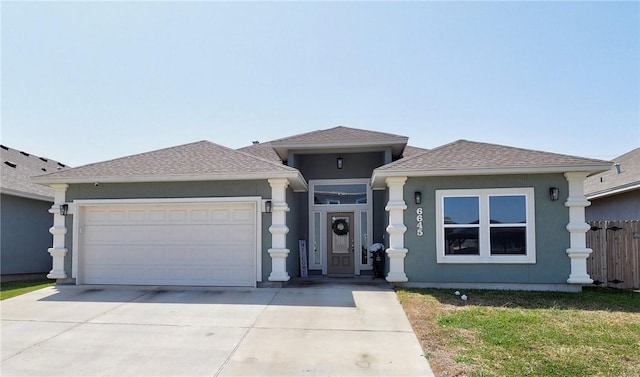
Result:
262,150
198,161
465,157
340,139
611,182
17,169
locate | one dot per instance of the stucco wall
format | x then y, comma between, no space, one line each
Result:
552,239
24,234
323,166
171,190
625,206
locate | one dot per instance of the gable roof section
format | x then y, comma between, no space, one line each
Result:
17,169
465,157
611,182
340,138
198,161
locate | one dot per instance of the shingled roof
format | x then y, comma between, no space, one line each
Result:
340,138
611,181
198,161
410,151
266,151
262,150
17,169
465,157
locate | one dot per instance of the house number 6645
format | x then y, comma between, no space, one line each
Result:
419,231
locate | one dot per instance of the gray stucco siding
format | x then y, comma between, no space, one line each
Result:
552,239
625,206
205,189
323,166
25,237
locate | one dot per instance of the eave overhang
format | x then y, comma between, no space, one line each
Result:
380,175
26,195
614,191
296,180
396,145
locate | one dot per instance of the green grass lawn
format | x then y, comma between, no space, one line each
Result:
15,288
509,333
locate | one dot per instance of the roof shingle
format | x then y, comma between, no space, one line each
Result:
262,150
341,134
340,139
202,158
470,155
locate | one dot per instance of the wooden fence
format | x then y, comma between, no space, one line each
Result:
615,261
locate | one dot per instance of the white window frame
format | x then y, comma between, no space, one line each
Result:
485,226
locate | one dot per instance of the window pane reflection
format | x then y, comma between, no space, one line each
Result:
461,241
508,209
509,240
340,194
461,210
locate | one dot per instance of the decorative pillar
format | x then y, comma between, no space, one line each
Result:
396,229
59,230
577,227
279,230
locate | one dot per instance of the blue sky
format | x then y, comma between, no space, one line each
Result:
89,81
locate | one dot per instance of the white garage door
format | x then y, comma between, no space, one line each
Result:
207,244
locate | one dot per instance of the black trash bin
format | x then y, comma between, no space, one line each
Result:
378,264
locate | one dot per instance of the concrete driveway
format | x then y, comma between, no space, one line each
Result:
320,330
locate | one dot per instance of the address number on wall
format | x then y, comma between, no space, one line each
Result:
419,230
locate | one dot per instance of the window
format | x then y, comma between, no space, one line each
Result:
340,194
485,226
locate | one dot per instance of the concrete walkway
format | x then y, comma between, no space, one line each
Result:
312,330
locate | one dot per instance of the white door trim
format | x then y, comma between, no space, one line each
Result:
323,209
79,203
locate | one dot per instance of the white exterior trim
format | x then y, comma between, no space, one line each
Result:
396,229
484,245
577,227
58,250
78,220
613,191
279,230
323,209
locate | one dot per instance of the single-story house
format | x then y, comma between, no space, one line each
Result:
466,214
615,194
24,214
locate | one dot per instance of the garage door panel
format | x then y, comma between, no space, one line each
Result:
173,244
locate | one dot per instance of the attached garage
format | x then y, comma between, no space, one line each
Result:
194,242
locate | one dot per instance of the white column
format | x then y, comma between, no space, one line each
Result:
279,230
59,230
396,229
577,227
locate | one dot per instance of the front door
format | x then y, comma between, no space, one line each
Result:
340,247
